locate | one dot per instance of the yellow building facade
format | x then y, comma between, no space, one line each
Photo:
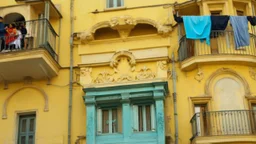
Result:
123,72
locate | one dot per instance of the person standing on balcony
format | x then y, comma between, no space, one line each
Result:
11,36
2,33
24,33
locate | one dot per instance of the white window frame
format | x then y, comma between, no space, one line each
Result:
136,117
99,121
115,4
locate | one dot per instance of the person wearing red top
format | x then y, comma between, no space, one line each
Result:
11,35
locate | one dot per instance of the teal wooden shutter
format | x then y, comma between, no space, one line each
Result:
27,129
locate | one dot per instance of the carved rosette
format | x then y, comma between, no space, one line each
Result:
145,73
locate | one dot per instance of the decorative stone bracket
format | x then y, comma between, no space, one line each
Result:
124,25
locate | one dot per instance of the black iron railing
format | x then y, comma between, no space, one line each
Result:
222,43
40,34
219,123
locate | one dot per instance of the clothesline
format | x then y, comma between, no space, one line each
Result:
200,27
251,19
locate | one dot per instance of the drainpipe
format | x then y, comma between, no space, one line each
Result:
71,71
174,79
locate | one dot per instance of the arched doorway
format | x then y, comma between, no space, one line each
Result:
13,17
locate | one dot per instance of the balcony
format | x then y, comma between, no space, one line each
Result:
29,55
224,126
222,49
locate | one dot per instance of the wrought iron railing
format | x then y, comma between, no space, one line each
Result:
40,34
222,43
219,123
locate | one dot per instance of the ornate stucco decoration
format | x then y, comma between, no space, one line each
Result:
226,71
104,77
116,59
199,75
124,25
162,65
252,73
124,78
145,73
85,71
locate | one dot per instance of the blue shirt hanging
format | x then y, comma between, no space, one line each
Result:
198,27
240,28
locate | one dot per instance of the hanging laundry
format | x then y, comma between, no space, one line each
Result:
252,20
198,27
240,28
219,22
178,19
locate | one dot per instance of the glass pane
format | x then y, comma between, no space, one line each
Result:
110,3
32,125
119,119
148,117
23,125
105,121
114,120
140,118
31,139
23,140
119,3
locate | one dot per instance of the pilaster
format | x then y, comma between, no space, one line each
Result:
126,116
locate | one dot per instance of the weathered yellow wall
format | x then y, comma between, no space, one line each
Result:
51,126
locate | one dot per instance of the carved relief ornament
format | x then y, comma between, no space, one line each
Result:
162,65
199,75
115,60
124,25
145,73
85,71
104,77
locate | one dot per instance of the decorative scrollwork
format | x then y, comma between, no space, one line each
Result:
145,73
104,77
124,78
115,60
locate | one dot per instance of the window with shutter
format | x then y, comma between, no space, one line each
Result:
143,118
109,120
115,3
27,129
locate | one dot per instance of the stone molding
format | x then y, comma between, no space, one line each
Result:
157,91
123,24
43,93
226,71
